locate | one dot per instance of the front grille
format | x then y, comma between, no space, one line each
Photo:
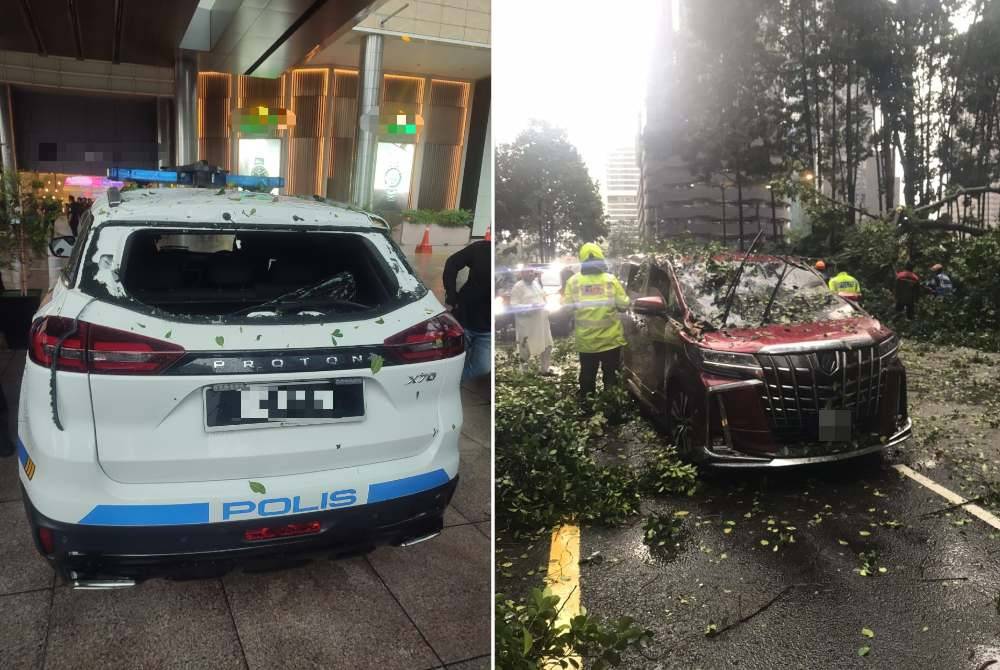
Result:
798,385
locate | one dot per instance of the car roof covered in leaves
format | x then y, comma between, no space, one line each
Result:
228,208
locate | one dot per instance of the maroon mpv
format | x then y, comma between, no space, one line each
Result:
751,361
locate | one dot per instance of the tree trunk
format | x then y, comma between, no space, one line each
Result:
879,180
807,111
889,161
849,148
725,240
739,203
834,132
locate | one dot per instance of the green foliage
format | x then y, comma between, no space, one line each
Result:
449,218
527,636
36,213
664,473
545,473
662,531
545,197
873,252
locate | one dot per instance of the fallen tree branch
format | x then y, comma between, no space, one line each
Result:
949,508
943,579
927,224
757,611
956,195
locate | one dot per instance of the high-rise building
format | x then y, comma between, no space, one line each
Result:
621,191
672,199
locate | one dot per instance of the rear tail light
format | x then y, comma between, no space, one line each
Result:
434,339
275,532
46,539
99,349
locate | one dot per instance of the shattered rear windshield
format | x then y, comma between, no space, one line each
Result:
802,296
256,274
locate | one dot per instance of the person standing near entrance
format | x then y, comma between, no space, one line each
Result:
73,212
531,321
597,296
472,306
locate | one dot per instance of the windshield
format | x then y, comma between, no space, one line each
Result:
801,298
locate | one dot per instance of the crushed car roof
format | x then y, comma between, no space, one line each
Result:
228,207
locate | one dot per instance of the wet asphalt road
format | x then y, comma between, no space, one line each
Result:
935,606
804,606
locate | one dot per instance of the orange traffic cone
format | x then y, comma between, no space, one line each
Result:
425,244
488,237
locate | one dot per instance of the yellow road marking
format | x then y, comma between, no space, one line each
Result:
950,496
563,577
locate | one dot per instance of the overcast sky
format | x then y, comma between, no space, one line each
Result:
581,66
578,65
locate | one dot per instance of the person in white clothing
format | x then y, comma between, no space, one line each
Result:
531,321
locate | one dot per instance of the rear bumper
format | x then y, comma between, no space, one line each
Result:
89,552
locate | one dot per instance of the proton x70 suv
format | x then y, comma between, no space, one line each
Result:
751,361
221,375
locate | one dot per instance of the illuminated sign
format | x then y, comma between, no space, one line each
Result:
259,120
403,124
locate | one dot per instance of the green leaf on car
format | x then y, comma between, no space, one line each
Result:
376,363
220,340
257,487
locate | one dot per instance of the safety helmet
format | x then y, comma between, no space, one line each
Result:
820,265
937,267
591,252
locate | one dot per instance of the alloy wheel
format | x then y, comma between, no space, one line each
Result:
681,422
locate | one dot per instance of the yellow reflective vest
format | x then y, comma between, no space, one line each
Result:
844,283
597,299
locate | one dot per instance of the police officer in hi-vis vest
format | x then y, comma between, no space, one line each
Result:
596,297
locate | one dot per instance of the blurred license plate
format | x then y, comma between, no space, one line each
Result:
835,425
230,406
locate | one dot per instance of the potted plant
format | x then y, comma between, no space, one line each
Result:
26,220
447,227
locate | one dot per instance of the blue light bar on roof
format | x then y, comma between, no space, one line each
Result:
186,178
161,176
249,181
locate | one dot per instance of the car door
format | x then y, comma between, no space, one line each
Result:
629,276
665,343
639,352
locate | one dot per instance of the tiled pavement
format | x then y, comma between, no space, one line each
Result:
426,606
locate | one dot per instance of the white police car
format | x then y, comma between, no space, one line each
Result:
222,375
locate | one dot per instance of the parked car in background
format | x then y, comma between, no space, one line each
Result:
759,365
220,376
551,277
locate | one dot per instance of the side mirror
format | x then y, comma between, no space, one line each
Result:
652,304
62,247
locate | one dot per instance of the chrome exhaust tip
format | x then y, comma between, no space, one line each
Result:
418,540
102,584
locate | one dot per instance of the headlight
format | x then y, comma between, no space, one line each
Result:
724,362
498,306
888,347
553,302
